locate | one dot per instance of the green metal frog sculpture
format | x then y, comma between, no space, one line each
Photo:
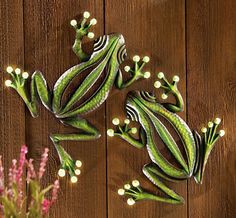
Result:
144,108
108,53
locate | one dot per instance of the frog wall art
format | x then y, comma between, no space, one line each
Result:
144,108
108,53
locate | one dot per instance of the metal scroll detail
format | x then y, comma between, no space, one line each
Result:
144,108
108,53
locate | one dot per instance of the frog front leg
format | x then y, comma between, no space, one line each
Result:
125,132
136,72
38,87
135,192
170,88
82,29
88,132
205,144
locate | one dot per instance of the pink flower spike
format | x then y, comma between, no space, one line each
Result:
23,153
31,172
55,189
2,187
12,173
45,206
43,163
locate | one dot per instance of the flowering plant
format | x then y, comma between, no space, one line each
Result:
34,204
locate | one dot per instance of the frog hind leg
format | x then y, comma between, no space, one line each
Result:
82,30
136,72
88,132
205,144
170,88
136,193
38,89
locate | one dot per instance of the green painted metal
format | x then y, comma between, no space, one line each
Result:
108,53
144,108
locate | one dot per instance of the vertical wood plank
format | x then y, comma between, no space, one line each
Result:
12,118
211,55
157,29
48,42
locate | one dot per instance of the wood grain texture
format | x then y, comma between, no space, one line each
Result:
156,29
12,121
211,55
37,35
48,41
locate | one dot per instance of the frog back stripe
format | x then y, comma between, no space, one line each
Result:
102,42
65,79
183,131
121,55
100,95
154,153
148,96
132,113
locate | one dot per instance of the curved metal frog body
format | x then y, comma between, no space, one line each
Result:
144,108
108,53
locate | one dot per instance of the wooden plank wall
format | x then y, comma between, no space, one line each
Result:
195,39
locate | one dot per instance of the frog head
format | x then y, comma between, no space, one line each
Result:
135,101
114,44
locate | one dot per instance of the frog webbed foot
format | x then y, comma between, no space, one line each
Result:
134,192
18,78
82,29
124,131
70,166
38,88
18,82
67,163
136,72
205,146
170,88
